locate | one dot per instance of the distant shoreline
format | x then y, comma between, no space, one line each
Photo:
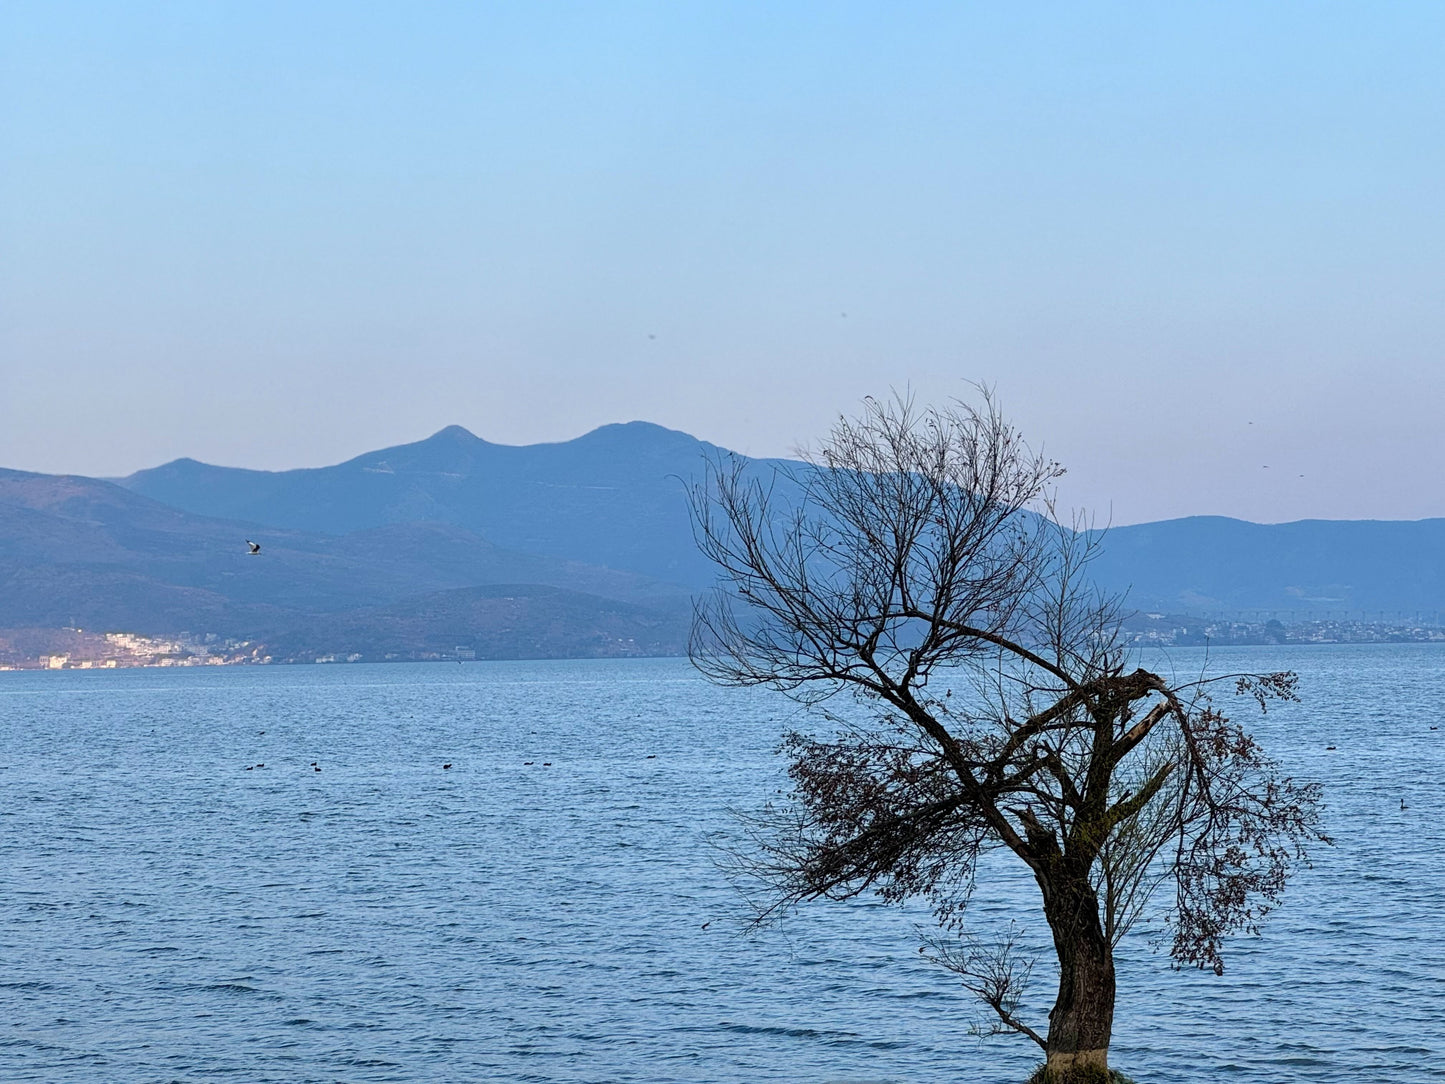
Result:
76,649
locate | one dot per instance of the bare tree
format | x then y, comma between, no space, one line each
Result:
915,561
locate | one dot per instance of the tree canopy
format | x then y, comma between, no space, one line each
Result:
915,560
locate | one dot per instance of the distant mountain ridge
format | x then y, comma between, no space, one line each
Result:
1202,564
583,547
614,497
617,497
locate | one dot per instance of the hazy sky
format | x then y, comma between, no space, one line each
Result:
1199,249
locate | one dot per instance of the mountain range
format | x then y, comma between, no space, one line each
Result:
582,547
615,497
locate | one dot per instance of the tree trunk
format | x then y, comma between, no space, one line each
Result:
1082,1018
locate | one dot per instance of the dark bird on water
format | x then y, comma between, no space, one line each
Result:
254,547
446,765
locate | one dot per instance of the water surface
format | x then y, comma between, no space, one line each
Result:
167,914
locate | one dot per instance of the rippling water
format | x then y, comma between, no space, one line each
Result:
168,915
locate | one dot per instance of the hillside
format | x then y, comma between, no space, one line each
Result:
81,552
1205,564
615,497
508,621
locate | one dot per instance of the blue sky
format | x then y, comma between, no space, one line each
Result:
1197,248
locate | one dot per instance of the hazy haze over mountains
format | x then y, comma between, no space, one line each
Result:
1198,246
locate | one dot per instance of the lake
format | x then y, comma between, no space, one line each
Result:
172,911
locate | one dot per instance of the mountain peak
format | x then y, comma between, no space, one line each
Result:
637,436
456,434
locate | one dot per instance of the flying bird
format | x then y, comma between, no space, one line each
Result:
253,547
